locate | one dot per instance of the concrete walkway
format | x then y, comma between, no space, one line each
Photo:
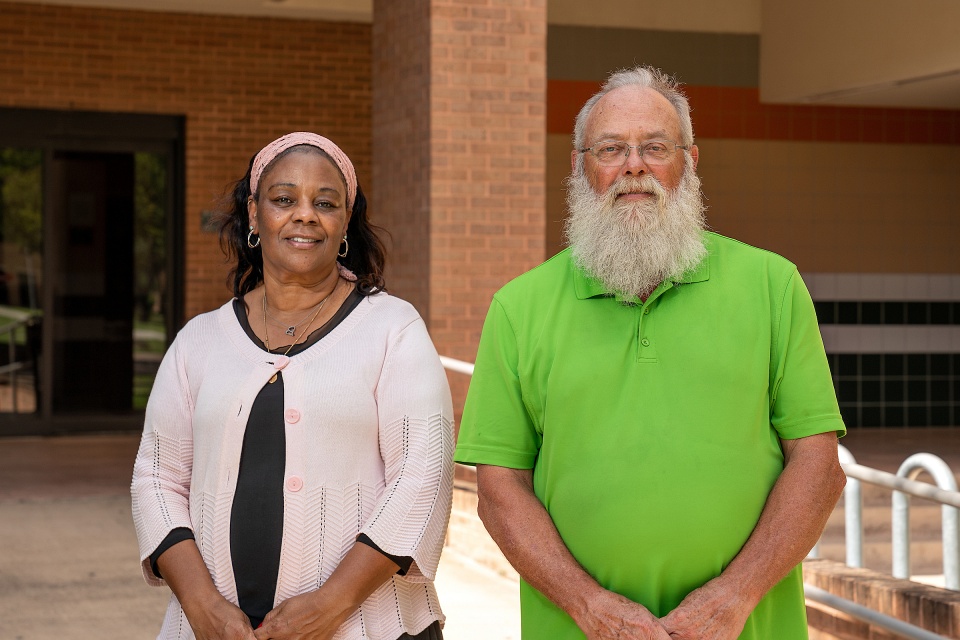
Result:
68,554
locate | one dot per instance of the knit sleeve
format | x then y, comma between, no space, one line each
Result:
416,443
161,472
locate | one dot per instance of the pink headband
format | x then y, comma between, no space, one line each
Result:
281,144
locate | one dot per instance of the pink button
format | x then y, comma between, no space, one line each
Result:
294,483
292,415
281,362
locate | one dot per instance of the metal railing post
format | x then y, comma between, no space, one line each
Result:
944,479
12,355
852,513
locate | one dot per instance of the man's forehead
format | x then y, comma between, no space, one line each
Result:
632,108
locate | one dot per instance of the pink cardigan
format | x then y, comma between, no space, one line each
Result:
369,449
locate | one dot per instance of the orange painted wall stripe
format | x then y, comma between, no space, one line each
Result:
736,112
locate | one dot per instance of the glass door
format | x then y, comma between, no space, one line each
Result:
21,278
84,280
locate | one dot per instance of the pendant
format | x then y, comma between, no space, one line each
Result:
291,331
273,379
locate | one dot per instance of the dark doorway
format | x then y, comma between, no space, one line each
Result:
90,266
89,234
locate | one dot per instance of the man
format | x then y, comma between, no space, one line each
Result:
652,415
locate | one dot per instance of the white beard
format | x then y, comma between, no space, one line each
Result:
631,247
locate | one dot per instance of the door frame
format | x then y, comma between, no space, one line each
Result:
92,131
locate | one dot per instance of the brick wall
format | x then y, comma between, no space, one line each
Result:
401,129
488,151
240,82
461,176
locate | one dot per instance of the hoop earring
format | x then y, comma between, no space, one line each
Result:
249,243
346,248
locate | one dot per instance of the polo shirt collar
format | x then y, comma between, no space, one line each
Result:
587,286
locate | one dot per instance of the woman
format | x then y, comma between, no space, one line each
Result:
295,473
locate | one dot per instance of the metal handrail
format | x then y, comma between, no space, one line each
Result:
903,486
874,618
852,512
950,518
458,366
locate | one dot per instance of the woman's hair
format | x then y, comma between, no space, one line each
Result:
365,258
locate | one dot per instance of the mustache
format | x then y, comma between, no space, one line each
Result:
636,184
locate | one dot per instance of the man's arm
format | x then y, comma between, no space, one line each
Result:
520,525
792,520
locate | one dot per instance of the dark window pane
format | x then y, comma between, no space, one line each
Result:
917,416
893,313
939,391
893,416
848,364
939,313
917,313
940,416
916,390
827,311
955,313
871,417
893,364
870,390
833,360
893,391
849,414
848,391
870,364
848,312
871,313
917,364
939,364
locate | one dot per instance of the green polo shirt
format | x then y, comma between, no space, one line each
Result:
652,427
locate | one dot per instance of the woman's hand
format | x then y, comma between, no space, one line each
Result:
303,617
211,616
317,615
220,619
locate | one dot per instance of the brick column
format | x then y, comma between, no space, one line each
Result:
459,123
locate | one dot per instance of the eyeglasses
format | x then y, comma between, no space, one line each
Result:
611,153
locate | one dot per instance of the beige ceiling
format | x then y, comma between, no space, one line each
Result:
855,52
861,52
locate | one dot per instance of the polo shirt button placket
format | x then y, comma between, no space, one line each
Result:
646,353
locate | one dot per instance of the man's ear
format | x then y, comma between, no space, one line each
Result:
573,161
695,154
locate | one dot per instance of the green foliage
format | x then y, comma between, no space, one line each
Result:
150,233
21,203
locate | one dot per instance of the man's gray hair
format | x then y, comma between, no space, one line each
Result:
642,76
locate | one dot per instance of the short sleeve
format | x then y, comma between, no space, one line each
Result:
496,427
803,401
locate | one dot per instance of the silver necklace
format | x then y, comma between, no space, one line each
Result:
289,329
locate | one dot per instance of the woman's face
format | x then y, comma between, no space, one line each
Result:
300,216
